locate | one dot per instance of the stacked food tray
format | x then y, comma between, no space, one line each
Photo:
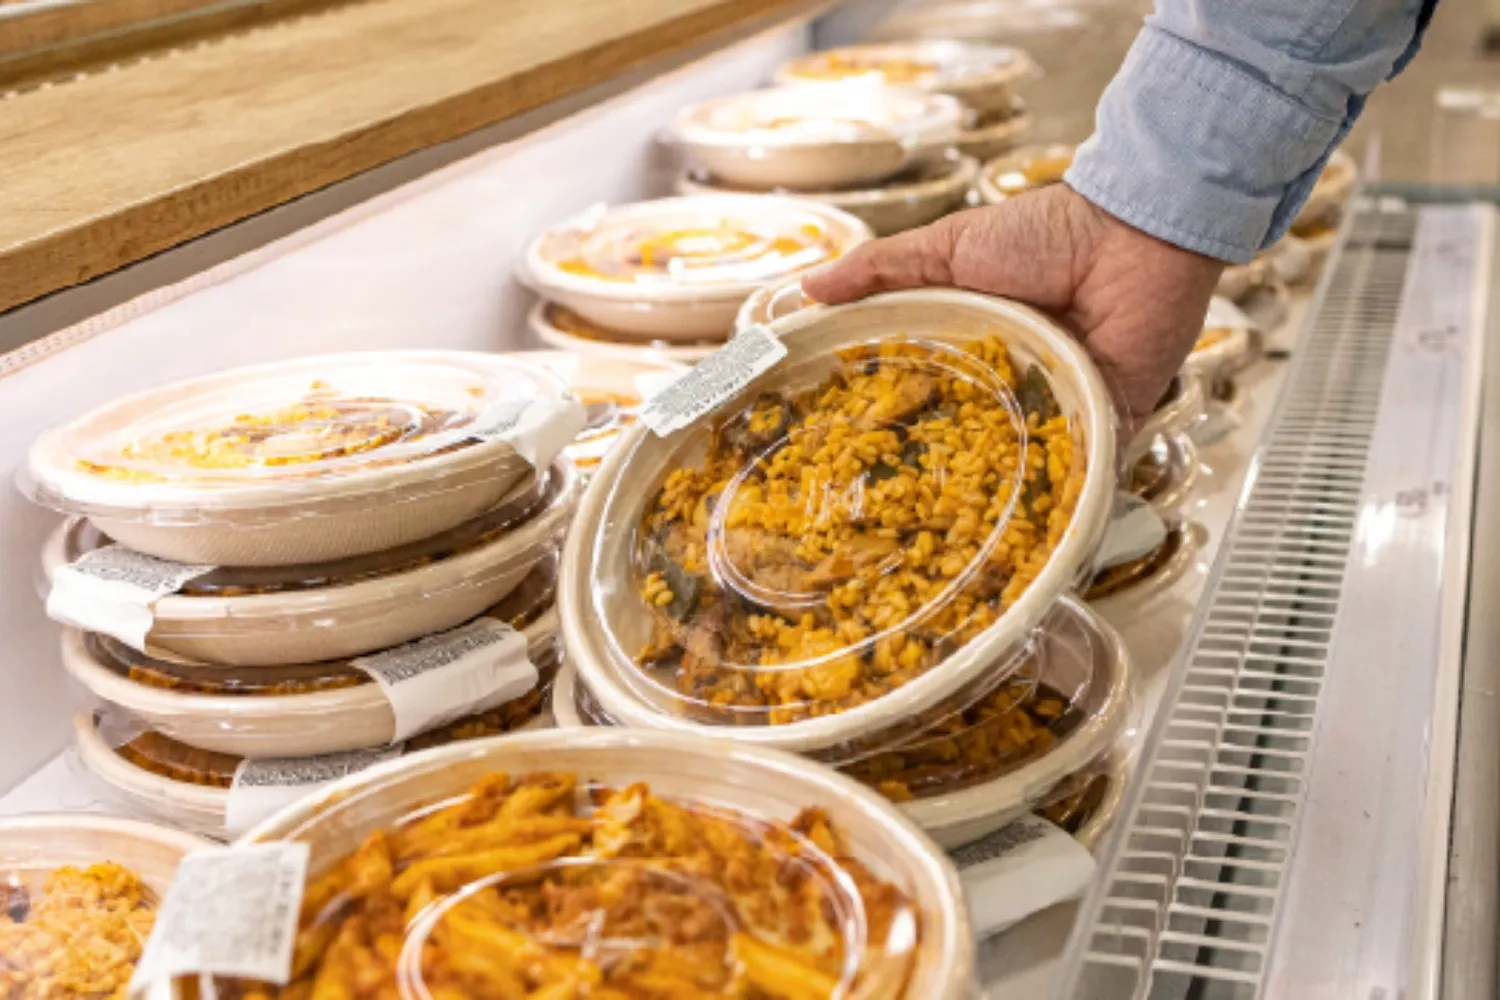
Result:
863,556
893,134
622,864
274,575
661,281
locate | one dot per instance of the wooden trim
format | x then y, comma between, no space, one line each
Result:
108,170
35,25
60,40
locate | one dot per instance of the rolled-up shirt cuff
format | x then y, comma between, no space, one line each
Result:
1198,150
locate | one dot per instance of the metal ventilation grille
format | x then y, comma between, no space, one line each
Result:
1195,885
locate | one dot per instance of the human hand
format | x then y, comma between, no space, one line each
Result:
1135,302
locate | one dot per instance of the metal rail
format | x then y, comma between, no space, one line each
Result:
1296,787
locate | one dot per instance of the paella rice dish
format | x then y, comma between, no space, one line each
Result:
77,938
835,543
318,429
1002,731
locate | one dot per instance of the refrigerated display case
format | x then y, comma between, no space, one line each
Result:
1314,768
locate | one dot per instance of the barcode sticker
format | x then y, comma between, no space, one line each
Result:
112,590
1135,531
231,911
1020,870
537,428
442,677
263,787
714,380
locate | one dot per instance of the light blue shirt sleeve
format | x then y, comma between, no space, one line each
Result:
1225,111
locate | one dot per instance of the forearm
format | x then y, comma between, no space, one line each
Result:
1225,111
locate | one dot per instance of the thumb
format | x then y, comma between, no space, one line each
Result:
917,258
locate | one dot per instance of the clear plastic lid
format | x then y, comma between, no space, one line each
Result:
789,116
694,242
951,67
307,460
1017,722
930,177
919,194
258,617
635,865
332,707
1181,408
522,606
816,138
1006,754
260,436
625,893
78,898
527,498
1025,21
1165,473
992,757
677,269
841,536
931,759
1069,676
611,391
1077,800
1024,170
872,508
153,751
1087,802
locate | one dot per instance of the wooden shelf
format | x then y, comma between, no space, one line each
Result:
111,167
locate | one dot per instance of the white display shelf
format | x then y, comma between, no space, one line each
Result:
1020,963
58,786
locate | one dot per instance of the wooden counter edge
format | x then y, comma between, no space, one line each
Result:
63,259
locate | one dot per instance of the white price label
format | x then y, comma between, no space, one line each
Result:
1136,531
537,428
261,788
1020,870
714,380
113,590
231,911
447,676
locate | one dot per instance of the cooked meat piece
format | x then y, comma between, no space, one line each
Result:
860,553
15,902
912,393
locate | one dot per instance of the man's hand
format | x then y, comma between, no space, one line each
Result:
1136,303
